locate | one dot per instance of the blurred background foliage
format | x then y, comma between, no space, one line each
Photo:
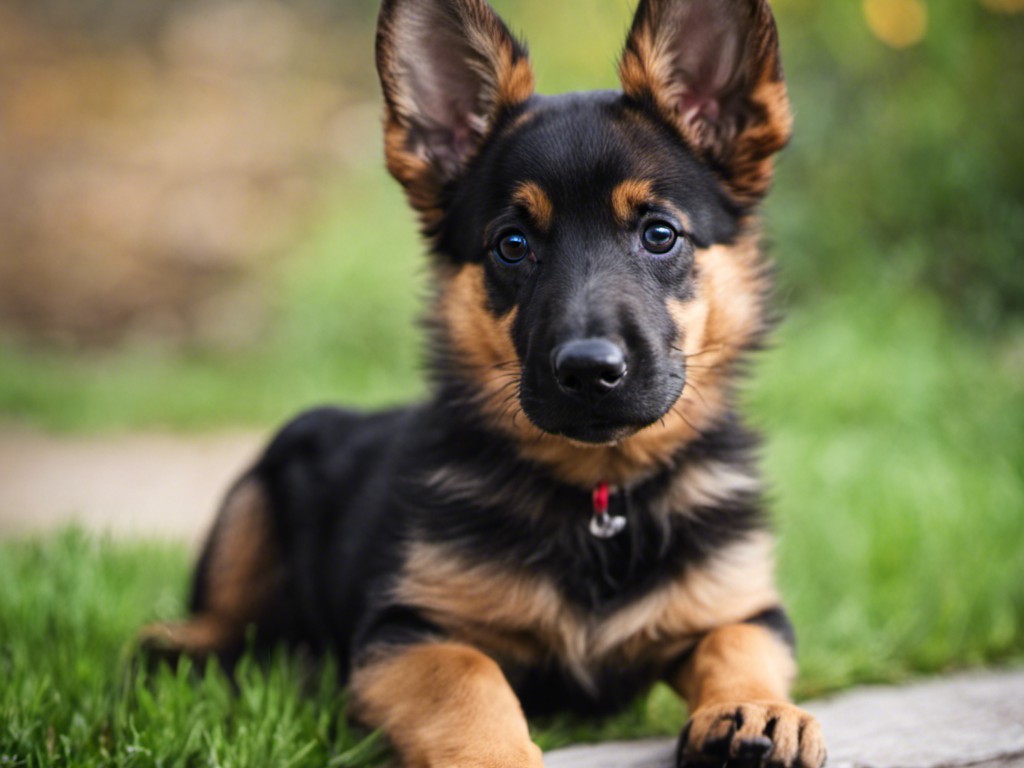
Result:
195,227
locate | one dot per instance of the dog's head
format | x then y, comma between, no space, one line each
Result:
595,251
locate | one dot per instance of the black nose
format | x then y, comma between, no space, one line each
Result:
589,368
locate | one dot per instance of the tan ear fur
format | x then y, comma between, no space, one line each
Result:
711,68
449,71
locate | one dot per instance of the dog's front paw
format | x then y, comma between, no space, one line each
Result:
771,734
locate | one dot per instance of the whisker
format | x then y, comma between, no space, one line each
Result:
514,382
715,367
704,351
508,403
678,412
696,389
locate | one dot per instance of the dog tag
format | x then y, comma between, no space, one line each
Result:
603,525
606,526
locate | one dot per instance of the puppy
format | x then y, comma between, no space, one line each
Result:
574,513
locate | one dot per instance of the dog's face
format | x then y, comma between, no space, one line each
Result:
587,243
585,218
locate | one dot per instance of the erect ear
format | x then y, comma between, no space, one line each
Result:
712,69
449,69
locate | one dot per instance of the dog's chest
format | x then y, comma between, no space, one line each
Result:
526,619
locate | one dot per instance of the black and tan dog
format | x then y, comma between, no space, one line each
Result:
575,512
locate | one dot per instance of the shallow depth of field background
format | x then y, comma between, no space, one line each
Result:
197,234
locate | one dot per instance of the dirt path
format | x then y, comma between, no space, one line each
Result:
150,485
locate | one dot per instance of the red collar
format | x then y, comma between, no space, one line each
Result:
603,525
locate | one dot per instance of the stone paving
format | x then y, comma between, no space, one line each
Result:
971,720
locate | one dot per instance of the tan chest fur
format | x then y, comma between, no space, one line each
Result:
521,617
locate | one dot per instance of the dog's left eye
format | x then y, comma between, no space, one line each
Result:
659,237
512,248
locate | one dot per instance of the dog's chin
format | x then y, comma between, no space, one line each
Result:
596,435
603,425
591,433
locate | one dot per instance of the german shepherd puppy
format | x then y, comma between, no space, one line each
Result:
574,513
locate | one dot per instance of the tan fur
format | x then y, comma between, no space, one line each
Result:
647,73
414,173
482,342
726,315
532,197
518,616
242,573
628,196
442,705
737,583
507,81
739,662
515,81
631,196
642,65
706,483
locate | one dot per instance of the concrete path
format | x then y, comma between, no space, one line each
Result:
134,485
974,719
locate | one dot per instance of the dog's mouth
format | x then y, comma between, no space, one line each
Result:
589,429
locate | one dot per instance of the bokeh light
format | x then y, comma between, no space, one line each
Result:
897,23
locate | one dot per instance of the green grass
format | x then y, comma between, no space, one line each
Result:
75,694
897,456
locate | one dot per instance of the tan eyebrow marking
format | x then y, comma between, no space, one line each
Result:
630,195
536,202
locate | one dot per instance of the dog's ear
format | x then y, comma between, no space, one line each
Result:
449,69
712,69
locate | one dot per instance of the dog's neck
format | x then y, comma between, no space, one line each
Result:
482,491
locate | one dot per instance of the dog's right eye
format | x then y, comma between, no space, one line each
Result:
659,238
512,248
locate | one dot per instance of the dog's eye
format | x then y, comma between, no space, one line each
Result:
659,237
512,248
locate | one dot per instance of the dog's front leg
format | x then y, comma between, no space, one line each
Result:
737,685
444,704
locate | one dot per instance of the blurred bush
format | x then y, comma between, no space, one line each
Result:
908,163
160,159
156,159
